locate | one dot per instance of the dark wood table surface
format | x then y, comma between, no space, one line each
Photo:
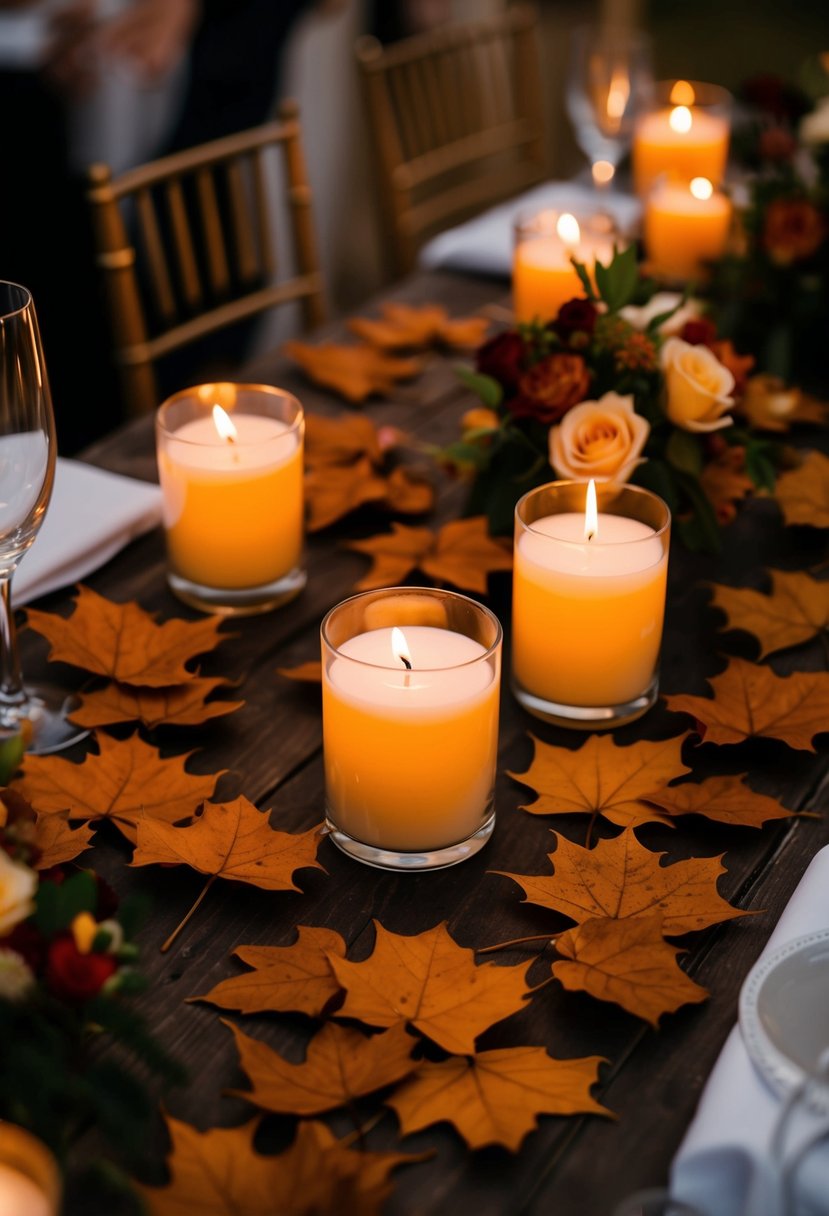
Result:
578,1166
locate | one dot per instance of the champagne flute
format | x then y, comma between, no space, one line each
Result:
27,472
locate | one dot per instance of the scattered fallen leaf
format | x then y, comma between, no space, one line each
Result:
305,673
58,842
495,1097
726,483
181,705
772,405
628,963
432,983
394,555
124,642
803,493
724,799
751,700
332,491
601,778
341,1065
127,782
409,492
620,878
404,327
462,553
796,610
230,840
340,440
284,979
356,372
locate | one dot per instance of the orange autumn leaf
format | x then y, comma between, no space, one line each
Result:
180,705
332,491
461,553
496,1096
124,642
796,610
341,1065
725,483
628,963
404,327
284,979
723,799
304,673
620,878
408,492
601,778
230,840
340,440
58,842
803,493
432,983
772,405
750,700
355,372
394,555
127,782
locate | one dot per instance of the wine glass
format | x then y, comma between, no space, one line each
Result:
27,472
609,82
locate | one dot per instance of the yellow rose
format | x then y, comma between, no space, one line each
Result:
698,387
600,439
17,887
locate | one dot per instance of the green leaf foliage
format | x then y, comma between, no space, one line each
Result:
485,387
57,905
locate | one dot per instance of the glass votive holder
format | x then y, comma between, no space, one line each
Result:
30,1181
685,134
230,466
544,246
588,603
410,699
686,227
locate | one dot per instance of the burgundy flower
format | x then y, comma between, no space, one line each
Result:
575,317
777,144
549,389
502,357
73,976
699,331
794,229
27,941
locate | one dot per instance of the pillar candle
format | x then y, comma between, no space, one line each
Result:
685,226
543,275
680,140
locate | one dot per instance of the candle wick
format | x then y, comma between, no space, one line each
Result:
405,663
590,535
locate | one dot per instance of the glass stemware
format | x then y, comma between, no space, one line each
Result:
609,82
27,472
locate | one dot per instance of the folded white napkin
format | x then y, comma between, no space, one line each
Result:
484,244
723,1166
91,515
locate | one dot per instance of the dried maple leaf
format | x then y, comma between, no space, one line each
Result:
405,327
772,405
332,491
628,963
181,705
619,878
124,642
394,555
126,782
58,842
341,1065
726,483
408,492
461,553
495,1097
340,440
601,778
724,799
796,610
353,371
751,700
431,983
304,673
803,493
284,979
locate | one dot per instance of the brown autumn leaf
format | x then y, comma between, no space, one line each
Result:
304,673
230,840
284,979
341,1065
58,842
461,553
803,493
772,405
601,778
620,878
750,700
628,963
332,491
404,327
126,782
180,705
496,1096
341,440
432,983
409,492
355,372
796,610
725,483
124,642
724,799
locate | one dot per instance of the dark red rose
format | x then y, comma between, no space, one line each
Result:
502,357
775,96
699,331
107,904
28,942
549,389
575,317
776,143
73,976
56,875
793,230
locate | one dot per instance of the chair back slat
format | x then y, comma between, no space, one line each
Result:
247,257
259,171
160,283
183,248
218,270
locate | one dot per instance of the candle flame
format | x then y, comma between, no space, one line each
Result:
681,120
591,512
701,188
682,94
222,423
400,648
568,229
603,172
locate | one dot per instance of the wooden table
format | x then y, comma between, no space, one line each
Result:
582,1166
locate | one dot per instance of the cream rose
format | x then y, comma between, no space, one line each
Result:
698,387
640,317
17,887
600,439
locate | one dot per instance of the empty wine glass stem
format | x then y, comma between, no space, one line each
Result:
12,694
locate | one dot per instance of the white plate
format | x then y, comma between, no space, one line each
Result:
784,1016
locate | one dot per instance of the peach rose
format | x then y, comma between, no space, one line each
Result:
601,439
17,889
698,387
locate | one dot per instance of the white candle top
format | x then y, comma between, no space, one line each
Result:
705,128
621,546
19,1196
551,253
678,200
261,442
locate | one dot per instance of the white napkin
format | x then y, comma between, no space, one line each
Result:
723,1166
484,244
91,515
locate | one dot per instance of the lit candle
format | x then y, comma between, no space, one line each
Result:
684,139
588,602
29,1175
20,1196
543,274
410,731
686,226
231,477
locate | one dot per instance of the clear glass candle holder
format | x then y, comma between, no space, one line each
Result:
685,134
30,1180
544,246
588,610
410,700
230,466
686,228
